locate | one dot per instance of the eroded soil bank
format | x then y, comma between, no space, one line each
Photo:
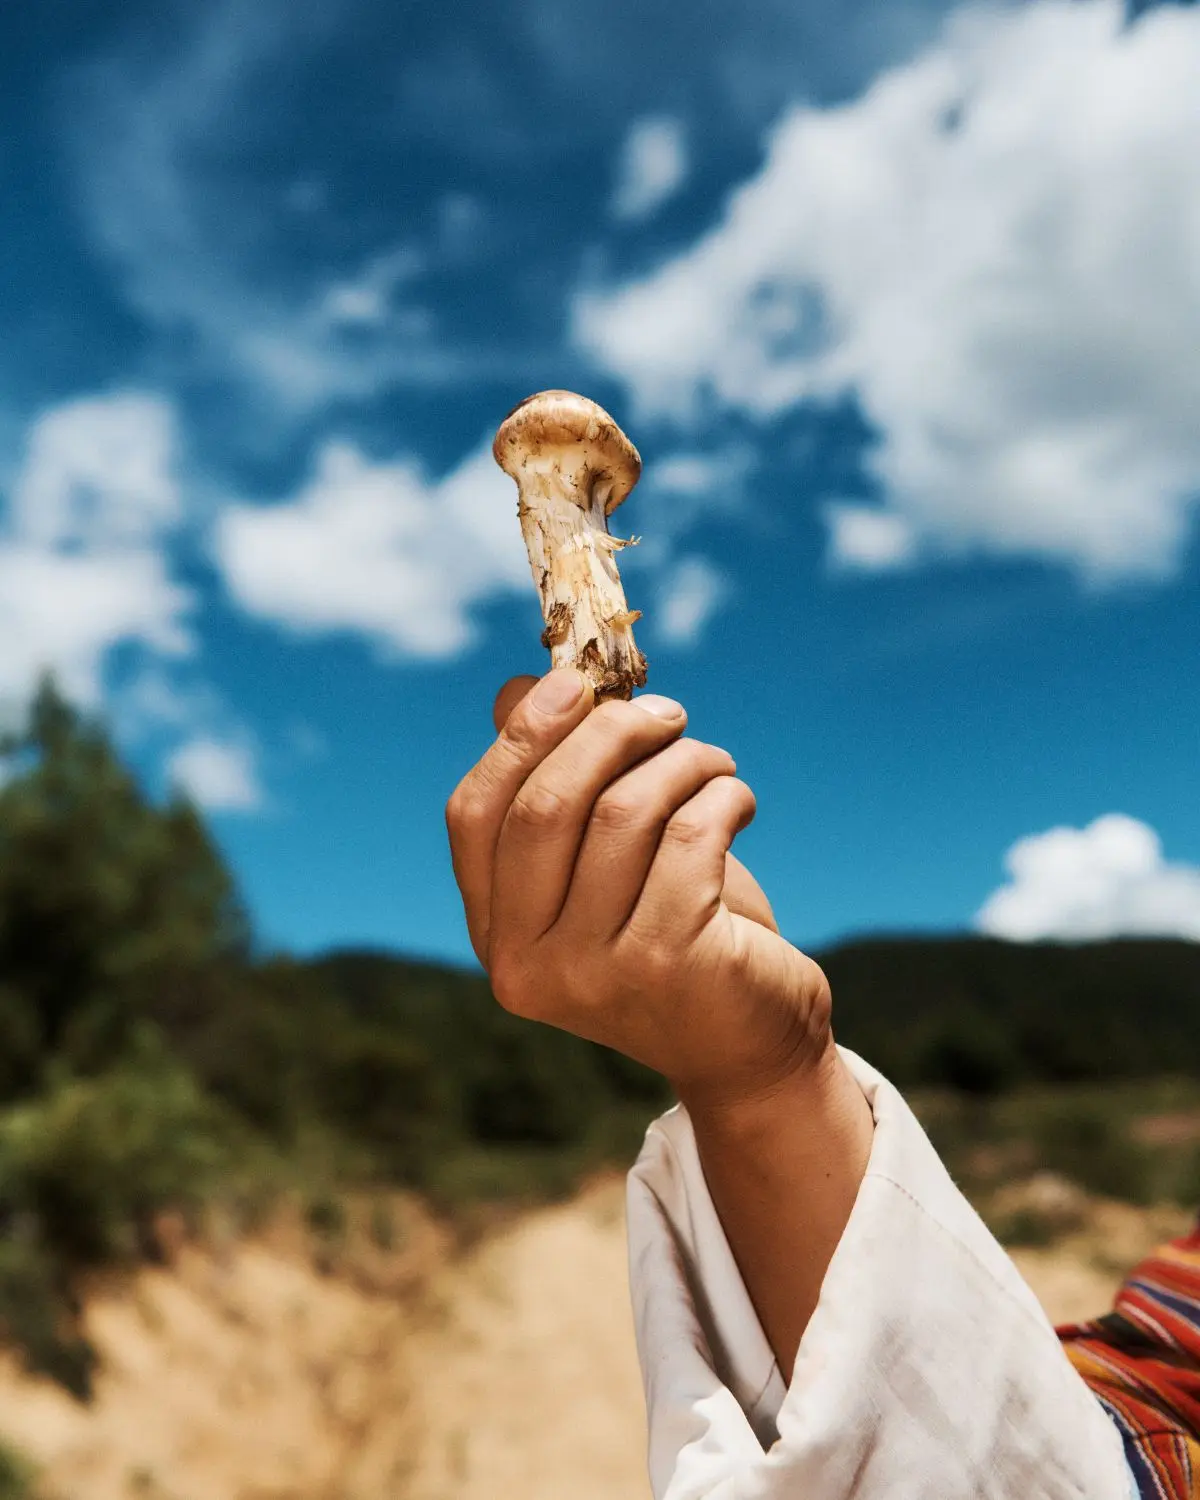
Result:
505,1373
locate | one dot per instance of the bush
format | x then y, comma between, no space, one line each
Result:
84,1171
90,1163
1081,1139
17,1475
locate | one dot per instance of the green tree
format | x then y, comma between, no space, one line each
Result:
111,909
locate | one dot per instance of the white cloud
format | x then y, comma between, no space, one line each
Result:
653,167
997,248
679,492
218,775
99,473
690,594
1104,880
367,298
380,549
868,538
83,563
710,476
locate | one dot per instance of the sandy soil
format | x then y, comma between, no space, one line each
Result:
245,1375
529,1383
507,1374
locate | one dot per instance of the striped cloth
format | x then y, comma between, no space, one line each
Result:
1143,1362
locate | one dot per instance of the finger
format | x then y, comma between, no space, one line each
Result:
624,830
539,722
545,825
744,896
683,889
508,697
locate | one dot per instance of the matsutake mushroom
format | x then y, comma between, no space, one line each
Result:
573,466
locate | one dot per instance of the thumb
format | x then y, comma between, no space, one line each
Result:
508,697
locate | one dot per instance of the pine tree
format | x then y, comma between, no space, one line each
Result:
113,911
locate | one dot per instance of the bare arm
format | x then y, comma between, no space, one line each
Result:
783,1172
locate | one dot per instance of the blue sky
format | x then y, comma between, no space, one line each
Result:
900,301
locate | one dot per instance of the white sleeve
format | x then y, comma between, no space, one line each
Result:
928,1371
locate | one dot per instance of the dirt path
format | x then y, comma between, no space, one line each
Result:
528,1384
507,1375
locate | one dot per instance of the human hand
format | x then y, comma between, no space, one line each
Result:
592,852
742,893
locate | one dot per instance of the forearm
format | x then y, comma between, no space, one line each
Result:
925,1369
783,1172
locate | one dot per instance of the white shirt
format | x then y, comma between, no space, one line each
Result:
928,1371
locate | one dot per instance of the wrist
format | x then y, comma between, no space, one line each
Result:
817,1099
737,1096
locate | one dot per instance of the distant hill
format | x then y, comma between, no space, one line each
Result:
969,1012
980,1013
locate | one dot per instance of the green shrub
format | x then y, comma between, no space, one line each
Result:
91,1162
325,1215
17,1475
1082,1140
84,1170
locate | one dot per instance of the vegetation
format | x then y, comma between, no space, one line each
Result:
153,1062
984,1015
17,1478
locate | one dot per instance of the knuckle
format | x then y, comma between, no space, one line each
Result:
745,800
821,997
613,716
537,806
509,984
701,758
739,793
649,956
464,808
520,745
688,828
621,722
518,740
617,811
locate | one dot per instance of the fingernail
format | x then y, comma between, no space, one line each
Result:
661,708
558,691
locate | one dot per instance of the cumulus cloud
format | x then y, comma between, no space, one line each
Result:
996,248
691,593
379,548
652,169
83,560
1106,880
218,775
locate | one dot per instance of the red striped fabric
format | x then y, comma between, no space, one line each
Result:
1143,1362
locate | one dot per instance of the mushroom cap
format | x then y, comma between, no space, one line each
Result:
563,420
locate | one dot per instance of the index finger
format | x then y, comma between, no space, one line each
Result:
539,722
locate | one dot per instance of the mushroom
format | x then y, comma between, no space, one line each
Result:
573,466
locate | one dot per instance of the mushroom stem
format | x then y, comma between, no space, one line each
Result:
573,465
